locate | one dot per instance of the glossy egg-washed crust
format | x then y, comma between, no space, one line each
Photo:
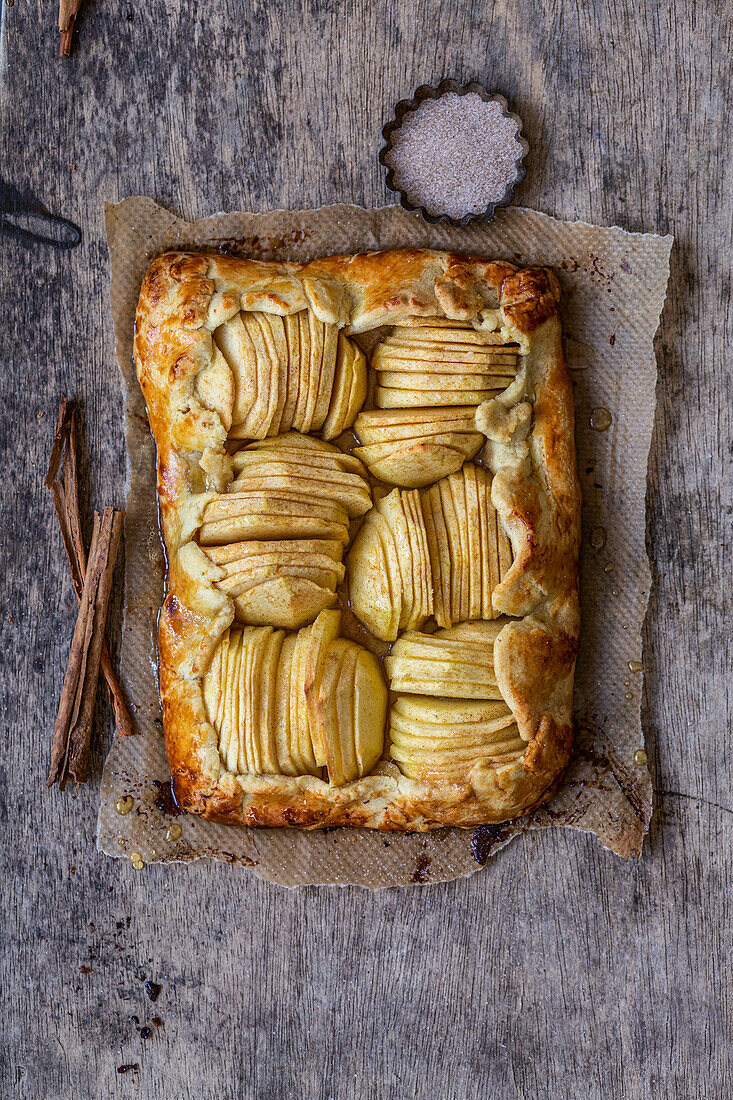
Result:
184,297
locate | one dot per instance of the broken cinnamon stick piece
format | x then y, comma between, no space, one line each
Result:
65,494
60,436
68,11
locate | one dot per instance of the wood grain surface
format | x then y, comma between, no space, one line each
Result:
558,971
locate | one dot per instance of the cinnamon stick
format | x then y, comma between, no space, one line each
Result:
65,494
68,11
72,733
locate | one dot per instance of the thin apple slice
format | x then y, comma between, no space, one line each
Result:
286,763
279,354
323,632
440,555
369,694
303,709
444,383
415,669
336,418
461,737
286,602
230,731
292,341
434,570
421,556
349,390
454,544
461,734
370,590
445,363
394,418
342,766
504,549
477,631
457,485
411,467
449,712
289,449
391,508
315,354
310,479
212,683
387,398
325,725
434,430
359,385
304,348
268,709
455,663
291,439
234,344
292,501
267,525
445,686
432,322
238,584
413,521
228,557
302,749
473,532
490,551
469,358
271,363
330,335
262,413
215,387
278,559
254,644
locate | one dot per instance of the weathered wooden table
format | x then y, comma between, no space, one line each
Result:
559,971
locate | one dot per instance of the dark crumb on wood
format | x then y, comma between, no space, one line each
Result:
129,1067
153,990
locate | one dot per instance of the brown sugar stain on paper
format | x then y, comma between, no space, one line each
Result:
614,287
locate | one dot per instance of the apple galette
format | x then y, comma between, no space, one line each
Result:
370,507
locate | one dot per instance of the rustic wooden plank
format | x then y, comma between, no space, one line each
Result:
559,971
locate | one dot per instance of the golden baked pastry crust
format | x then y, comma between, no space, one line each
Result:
529,449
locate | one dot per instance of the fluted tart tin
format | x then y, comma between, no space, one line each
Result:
454,153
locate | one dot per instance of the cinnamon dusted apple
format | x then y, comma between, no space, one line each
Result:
455,663
449,363
470,553
270,374
415,447
279,531
240,699
287,464
296,704
439,740
349,389
390,587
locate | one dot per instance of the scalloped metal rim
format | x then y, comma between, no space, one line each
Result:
427,91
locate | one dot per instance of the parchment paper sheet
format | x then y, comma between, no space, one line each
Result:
614,287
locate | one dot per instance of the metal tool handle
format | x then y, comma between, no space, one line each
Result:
24,217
